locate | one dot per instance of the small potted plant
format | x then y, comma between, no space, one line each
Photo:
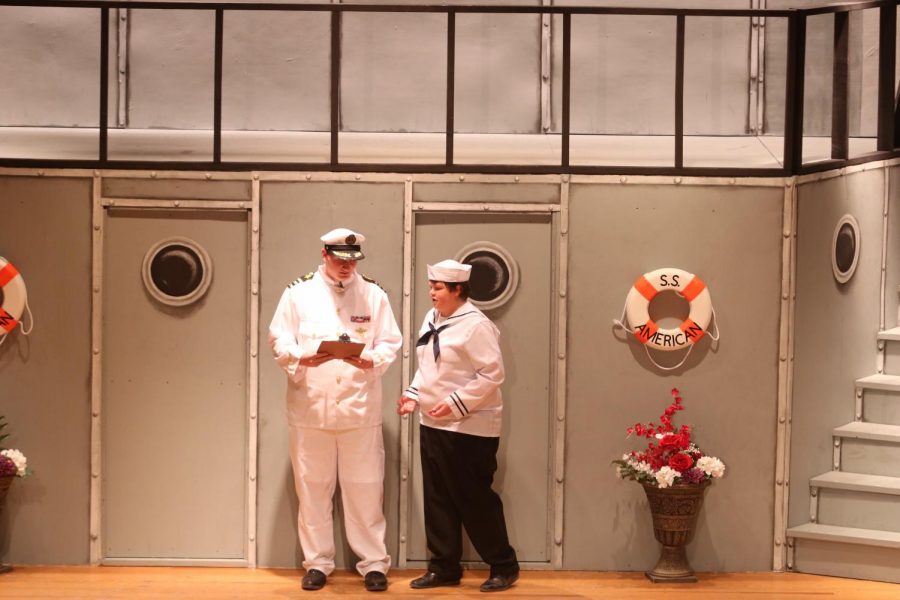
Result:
674,473
13,464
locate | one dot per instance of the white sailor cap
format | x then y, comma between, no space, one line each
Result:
449,271
344,244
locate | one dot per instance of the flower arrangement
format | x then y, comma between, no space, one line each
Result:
671,457
12,462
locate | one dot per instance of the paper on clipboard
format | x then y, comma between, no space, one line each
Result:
339,349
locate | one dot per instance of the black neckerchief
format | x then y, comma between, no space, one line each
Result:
435,332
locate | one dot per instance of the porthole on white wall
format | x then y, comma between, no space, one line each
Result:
495,274
177,271
845,248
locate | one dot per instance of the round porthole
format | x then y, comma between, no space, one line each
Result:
845,248
495,275
177,271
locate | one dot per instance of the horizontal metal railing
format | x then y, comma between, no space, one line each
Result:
888,128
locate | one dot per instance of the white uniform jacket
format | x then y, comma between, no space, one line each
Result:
334,395
466,376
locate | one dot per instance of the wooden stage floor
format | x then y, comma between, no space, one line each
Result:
198,583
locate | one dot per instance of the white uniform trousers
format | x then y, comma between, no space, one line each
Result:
356,458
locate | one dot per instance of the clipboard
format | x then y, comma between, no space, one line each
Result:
339,349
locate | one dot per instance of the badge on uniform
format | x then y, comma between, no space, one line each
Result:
360,319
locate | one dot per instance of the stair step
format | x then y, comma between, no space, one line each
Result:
880,382
848,535
858,482
869,431
890,334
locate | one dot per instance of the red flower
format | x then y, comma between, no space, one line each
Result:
674,441
681,462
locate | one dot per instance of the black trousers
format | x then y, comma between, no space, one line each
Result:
457,473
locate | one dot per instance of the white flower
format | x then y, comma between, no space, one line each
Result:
666,476
618,472
711,466
659,436
640,466
18,458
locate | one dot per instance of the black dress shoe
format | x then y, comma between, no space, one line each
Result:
313,580
498,583
376,581
430,580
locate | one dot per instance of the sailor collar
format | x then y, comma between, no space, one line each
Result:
463,311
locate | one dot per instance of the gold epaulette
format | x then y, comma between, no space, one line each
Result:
306,277
370,280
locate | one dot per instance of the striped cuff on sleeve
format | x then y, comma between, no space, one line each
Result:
456,405
411,392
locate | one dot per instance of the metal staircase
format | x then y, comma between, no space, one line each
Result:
858,503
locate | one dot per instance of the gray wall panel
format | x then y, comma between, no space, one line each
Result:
171,69
619,83
45,391
393,75
274,77
525,454
186,189
716,72
847,560
862,84
384,85
732,240
486,192
835,324
498,74
175,381
49,46
293,218
892,275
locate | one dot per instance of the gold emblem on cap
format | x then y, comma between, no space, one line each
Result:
351,239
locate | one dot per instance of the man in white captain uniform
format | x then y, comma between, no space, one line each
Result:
334,406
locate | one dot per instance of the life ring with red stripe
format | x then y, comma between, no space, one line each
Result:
687,285
14,296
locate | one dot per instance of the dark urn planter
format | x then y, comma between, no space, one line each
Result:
675,510
5,482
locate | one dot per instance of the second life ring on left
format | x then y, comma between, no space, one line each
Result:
14,296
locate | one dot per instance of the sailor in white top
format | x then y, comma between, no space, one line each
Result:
334,406
457,391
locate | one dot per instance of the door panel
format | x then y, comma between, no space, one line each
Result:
525,323
174,394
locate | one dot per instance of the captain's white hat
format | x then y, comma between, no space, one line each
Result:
344,243
449,271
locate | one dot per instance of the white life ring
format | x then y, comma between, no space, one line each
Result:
14,296
687,285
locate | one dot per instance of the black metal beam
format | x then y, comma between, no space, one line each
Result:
887,60
793,105
451,85
897,121
499,169
103,149
840,142
217,88
435,8
828,165
566,89
679,91
335,84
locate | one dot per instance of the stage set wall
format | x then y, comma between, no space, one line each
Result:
835,327
623,71
731,235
